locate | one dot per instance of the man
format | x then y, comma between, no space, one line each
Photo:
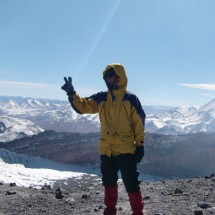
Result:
121,135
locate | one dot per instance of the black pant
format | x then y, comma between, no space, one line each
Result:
127,165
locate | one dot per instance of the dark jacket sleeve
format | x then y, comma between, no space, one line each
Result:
138,121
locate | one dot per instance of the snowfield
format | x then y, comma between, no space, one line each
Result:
36,172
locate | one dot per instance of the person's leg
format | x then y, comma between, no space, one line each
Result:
128,168
109,172
136,202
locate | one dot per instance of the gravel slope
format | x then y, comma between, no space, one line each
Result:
184,197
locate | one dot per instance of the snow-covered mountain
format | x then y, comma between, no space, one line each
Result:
59,116
49,114
12,128
183,120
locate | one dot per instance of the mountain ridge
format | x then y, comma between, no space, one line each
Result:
59,116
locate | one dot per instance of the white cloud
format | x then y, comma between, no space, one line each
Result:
30,87
200,86
27,85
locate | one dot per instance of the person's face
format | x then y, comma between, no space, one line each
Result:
111,79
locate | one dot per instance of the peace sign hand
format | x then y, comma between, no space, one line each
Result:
68,87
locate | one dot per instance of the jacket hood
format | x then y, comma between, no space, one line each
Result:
121,73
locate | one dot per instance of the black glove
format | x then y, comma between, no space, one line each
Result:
68,87
139,153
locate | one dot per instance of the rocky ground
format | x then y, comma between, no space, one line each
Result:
179,196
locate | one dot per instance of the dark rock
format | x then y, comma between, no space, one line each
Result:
12,184
10,192
198,212
120,208
85,196
1,183
100,207
96,210
203,205
146,197
212,175
58,194
178,191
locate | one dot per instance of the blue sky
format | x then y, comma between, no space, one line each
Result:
166,46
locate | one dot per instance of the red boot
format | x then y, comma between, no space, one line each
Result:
136,202
111,195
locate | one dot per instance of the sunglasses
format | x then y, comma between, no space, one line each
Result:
110,73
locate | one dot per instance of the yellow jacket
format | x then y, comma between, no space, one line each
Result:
122,119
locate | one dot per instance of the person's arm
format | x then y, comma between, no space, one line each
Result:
83,105
138,122
79,104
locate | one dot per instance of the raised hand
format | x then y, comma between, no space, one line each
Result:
68,87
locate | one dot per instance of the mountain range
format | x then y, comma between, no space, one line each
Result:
183,120
58,115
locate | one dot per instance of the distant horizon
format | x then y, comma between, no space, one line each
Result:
146,105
